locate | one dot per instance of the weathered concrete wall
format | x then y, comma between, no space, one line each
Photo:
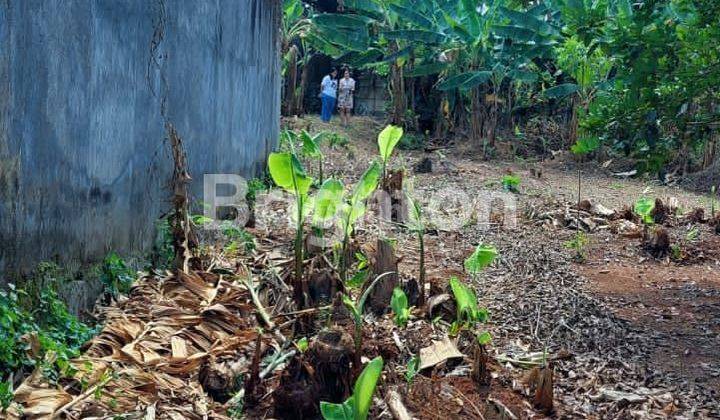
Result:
85,89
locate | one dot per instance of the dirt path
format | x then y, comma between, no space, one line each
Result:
643,333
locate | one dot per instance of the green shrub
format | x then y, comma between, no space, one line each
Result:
116,275
50,323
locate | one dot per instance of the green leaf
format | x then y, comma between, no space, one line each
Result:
365,387
484,338
561,91
511,183
412,368
287,173
411,15
585,145
399,305
328,200
465,81
341,21
416,35
466,302
482,257
368,182
415,222
643,208
332,411
310,146
388,139
527,20
426,69
302,344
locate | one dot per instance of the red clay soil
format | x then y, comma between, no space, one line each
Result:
680,302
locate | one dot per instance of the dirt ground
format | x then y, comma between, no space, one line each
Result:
628,329
646,327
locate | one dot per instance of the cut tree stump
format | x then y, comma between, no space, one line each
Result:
383,261
657,242
392,202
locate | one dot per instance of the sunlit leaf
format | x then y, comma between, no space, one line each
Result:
287,172
388,139
482,257
328,200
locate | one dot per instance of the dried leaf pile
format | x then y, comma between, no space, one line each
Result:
147,359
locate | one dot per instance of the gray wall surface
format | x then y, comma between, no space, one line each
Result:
85,89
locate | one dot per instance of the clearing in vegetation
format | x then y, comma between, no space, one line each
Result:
513,324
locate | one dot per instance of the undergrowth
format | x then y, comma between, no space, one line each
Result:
31,330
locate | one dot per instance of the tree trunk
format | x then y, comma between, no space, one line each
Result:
476,123
290,81
397,91
299,102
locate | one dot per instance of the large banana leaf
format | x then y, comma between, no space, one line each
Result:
398,54
344,21
523,76
516,33
360,59
465,81
412,16
416,35
369,8
528,21
351,40
561,91
426,69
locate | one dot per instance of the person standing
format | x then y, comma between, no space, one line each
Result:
345,96
328,95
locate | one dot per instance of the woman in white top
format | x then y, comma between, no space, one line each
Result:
328,89
345,96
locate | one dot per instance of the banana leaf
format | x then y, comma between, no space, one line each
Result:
344,21
426,69
416,35
412,16
528,21
465,81
561,91
398,54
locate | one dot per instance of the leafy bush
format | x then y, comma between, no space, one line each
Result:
511,183
27,334
116,276
255,186
578,243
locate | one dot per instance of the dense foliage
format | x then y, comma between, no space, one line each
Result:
641,76
30,330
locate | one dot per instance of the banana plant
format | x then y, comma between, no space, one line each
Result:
356,310
416,225
357,406
468,311
388,138
327,203
354,209
288,173
399,305
311,148
482,257
644,208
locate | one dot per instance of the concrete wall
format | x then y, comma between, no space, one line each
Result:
85,89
